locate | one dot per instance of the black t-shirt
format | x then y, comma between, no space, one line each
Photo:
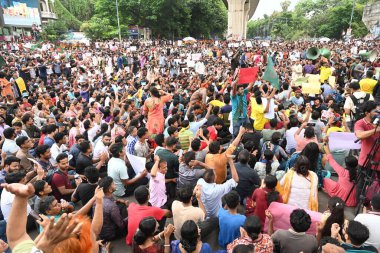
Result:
83,162
85,192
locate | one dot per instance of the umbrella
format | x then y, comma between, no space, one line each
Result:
324,39
189,39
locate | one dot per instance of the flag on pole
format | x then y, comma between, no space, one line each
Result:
271,75
2,62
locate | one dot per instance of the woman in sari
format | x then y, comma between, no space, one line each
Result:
299,186
153,108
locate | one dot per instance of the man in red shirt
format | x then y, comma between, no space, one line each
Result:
60,182
368,134
141,210
213,130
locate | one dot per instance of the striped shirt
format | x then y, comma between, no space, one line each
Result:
131,141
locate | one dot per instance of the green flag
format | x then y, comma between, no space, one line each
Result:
2,62
35,46
270,74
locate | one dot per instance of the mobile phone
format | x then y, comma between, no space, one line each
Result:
311,124
35,215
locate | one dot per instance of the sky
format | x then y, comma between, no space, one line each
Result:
268,6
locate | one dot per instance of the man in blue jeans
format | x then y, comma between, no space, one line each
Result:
239,105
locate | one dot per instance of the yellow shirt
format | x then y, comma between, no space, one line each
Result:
257,113
367,85
218,103
334,129
325,73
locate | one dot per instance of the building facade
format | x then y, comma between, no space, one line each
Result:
371,18
22,19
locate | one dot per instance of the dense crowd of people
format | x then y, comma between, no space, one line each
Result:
159,142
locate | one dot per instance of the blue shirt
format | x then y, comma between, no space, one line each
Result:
229,227
175,247
297,101
235,101
48,141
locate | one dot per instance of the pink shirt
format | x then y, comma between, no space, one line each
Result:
157,190
302,142
341,188
363,125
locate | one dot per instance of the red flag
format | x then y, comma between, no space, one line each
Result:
248,75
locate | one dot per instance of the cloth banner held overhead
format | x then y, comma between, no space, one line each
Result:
312,86
343,140
271,75
247,75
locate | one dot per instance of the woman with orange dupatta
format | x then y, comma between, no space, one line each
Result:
299,186
6,86
153,108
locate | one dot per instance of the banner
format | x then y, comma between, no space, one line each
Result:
137,163
248,43
247,75
190,64
343,140
301,80
332,81
21,12
281,217
311,88
196,57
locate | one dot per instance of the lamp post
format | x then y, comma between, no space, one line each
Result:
352,13
118,19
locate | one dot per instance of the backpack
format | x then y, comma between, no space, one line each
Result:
358,105
50,174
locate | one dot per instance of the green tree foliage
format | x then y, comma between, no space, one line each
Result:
68,19
54,30
166,18
311,18
81,9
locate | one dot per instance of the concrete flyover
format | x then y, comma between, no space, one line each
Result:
239,13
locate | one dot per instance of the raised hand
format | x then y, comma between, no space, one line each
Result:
20,190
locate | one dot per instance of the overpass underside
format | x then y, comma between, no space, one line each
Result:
239,13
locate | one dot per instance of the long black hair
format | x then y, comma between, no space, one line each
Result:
268,155
351,166
311,151
302,166
147,228
336,207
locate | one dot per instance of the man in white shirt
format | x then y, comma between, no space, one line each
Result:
58,147
212,193
7,197
350,107
102,146
372,221
118,170
9,146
